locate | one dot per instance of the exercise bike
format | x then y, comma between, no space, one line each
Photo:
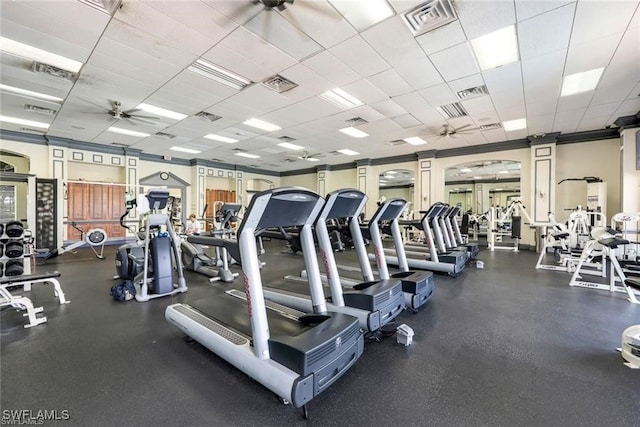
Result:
94,238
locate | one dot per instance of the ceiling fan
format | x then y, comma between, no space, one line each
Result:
304,156
449,131
117,113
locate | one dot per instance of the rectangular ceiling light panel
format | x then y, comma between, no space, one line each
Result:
26,51
247,155
353,132
363,14
497,48
514,124
260,124
219,74
415,140
29,93
122,131
581,82
341,98
290,146
220,138
348,152
23,122
184,150
161,112
429,15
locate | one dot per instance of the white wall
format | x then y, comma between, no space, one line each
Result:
307,181
99,173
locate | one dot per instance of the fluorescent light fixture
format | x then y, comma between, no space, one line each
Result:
341,98
185,150
477,177
26,51
312,159
466,170
127,132
348,152
514,124
290,146
415,140
581,82
29,93
248,155
503,172
351,131
495,49
219,74
220,138
260,124
362,14
161,112
23,122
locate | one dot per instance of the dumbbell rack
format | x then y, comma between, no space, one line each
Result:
13,250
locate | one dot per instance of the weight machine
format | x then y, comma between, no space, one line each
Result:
95,238
506,224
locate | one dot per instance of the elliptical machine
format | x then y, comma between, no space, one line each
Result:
194,258
130,256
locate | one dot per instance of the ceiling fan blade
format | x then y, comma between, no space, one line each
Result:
104,109
460,128
137,118
143,117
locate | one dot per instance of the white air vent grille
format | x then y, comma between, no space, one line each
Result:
165,135
396,142
429,15
491,126
356,121
451,111
106,6
279,84
473,92
41,110
39,67
208,116
286,138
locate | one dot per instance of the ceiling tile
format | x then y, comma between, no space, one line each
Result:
438,95
545,33
529,9
455,62
331,68
389,108
483,17
390,83
442,38
596,19
314,17
594,54
360,57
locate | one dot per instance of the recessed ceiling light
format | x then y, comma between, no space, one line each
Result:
341,98
477,177
362,14
514,124
185,150
29,93
26,51
23,122
161,112
581,82
312,159
497,48
356,133
127,132
465,170
248,155
219,74
220,138
503,172
290,146
348,152
260,124
415,140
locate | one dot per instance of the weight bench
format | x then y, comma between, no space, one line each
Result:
21,302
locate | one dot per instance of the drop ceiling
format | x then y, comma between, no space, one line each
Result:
142,54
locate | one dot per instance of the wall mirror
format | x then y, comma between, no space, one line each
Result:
477,186
396,183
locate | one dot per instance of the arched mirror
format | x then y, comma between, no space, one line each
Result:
477,186
395,183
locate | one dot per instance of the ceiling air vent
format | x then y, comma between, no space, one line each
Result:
39,67
208,116
279,84
286,138
451,111
106,6
356,121
473,92
41,110
396,142
165,135
429,15
491,126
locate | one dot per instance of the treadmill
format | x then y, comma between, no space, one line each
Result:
374,303
294,355
451,263
456,236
